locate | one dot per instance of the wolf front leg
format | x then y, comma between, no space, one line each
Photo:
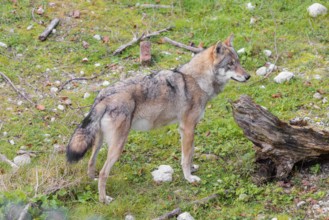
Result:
187,138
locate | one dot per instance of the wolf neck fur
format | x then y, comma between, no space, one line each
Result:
203,71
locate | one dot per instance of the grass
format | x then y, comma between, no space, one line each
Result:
302,47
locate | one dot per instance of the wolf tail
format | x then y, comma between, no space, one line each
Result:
84,135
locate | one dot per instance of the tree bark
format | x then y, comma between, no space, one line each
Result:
278,145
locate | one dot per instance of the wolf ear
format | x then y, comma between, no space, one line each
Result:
218,48
229,41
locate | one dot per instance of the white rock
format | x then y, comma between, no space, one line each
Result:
241,51
29,27
252,20
166,169
97,64
159,176
86,95
267,53
97,37
317,9
317,95
318,77
57,83
261,71
52,119
250,6
53,31
163,174
271,67
5,133
82,73
185,216
19,102
12,142
324,100
283,76
106,83
300,204
22,160
129,217
61,107
53,89
3,45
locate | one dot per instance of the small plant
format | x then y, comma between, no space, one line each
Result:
316,169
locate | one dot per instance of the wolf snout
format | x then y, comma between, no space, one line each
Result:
246,76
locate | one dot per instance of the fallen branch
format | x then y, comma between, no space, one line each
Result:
205,200
154,6
138,39
49,29
177,44
170,214
79,79
278,145
16,90
3,158
130,43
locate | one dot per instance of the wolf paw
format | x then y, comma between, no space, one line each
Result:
193,179
107,200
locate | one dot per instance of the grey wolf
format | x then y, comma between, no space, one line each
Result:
147,102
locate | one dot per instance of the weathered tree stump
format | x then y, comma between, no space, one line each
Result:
278,145
145,53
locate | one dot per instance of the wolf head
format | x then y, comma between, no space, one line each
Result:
226,62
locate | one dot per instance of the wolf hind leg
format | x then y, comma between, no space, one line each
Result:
92,161
119,129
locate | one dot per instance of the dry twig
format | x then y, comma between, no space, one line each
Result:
15,88
138,39
3,158
79,79
24,211
35,20
178,44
